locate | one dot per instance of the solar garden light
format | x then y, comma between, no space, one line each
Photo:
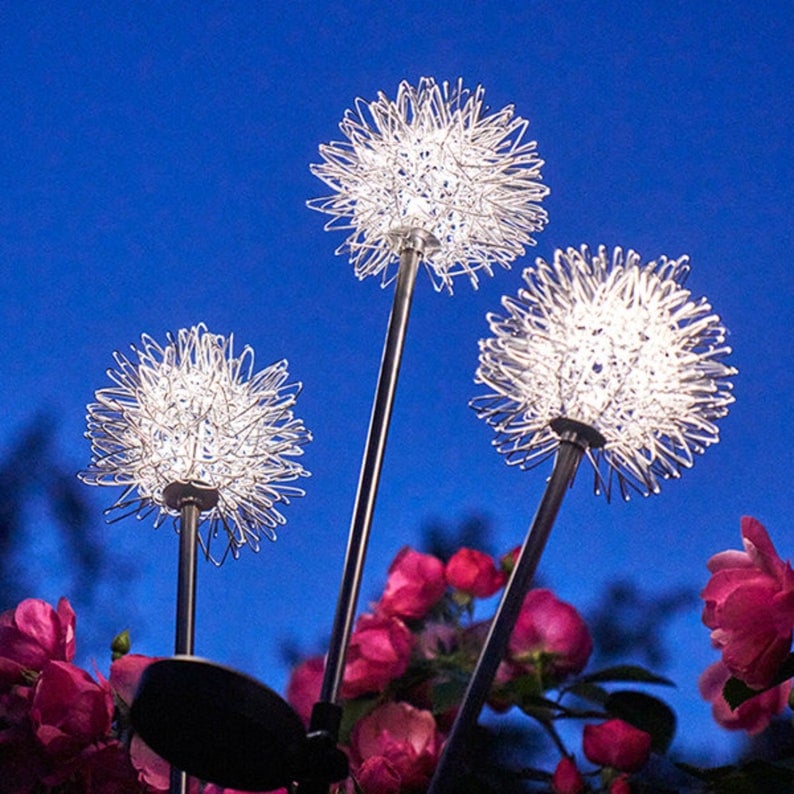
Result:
430,177
598,357
192,433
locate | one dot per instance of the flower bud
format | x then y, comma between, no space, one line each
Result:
121,644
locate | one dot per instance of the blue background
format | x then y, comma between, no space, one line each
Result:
154,173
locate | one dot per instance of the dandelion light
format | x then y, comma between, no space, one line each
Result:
433,159
431,176
599,356
193,415
190,431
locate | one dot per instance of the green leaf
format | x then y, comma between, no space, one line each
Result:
541,708
737,692
646,713
352,712
625,672
525,686
755,777
588,691
447,694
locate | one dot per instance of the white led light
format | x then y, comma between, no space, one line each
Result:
193,412
616,345
433,160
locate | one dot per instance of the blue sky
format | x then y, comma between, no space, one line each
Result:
154,173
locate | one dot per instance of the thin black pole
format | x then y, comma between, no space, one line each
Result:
410,256
326,713
185,603
186,582
452,762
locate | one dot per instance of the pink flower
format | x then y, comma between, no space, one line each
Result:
106,769
616,744
474,573
414,585
620,785
151,770
750,606
754,715
379,652
567,779
548,627
22,758
405,737
126,672
378,776
305,683
69,711
34,633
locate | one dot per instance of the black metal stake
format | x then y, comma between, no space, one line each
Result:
575,439
415,244
190,500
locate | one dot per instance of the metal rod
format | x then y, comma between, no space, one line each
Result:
452,761
369,476
185,602
186,583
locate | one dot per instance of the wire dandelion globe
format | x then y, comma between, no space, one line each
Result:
433,160
615,345
191,412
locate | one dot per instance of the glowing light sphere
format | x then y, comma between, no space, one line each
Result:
617,345
192,412
433,159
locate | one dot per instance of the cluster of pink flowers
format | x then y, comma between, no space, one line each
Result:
62,729
749,607
420,630
57,719
616,746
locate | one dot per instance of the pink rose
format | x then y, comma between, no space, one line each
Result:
378,776
567,779
406,737
126,672
34,633
616,744
22,758
69,711
303,688
106,769
150,769
754,715
414,585
474,573
379,652
750,606
548,627
620,785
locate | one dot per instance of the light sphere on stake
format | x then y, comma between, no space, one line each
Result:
429,177
433,159
618,345
601,357
191,416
